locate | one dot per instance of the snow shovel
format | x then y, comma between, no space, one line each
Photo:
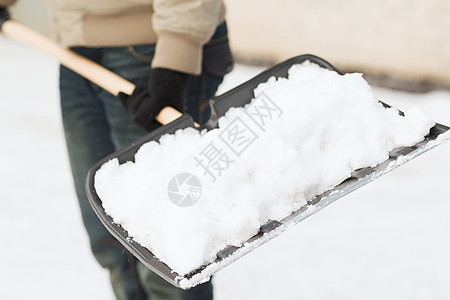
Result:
238,97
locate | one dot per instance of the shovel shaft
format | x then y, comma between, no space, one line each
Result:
90,70
77,63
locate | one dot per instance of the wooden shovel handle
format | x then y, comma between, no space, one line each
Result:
90,70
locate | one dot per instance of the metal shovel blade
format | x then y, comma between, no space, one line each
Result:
238,97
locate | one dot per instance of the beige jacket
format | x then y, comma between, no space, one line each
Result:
6,2
179,28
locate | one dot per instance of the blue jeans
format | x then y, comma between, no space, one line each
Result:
96,124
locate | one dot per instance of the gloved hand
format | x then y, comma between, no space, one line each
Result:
165,88
4,15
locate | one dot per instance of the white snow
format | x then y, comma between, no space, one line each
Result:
318,127
384,241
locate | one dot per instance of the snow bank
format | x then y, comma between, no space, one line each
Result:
190,195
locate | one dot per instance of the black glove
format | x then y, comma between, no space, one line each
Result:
4,15
165,88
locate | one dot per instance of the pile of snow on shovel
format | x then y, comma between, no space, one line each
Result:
194,193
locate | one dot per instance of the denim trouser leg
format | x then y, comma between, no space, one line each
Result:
88,139
96,124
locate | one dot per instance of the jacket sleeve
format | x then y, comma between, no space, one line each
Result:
6,2
182,28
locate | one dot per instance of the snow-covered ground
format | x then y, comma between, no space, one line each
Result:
384,241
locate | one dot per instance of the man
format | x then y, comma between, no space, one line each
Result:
177,53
